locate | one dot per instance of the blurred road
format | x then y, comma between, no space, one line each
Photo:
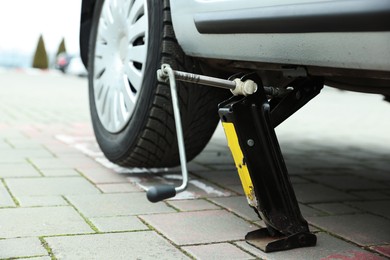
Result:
61,199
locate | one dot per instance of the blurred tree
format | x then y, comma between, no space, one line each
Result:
40,57
61,47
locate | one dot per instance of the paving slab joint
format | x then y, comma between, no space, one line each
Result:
372,249
49,151
14,199
89,180
173,207
243,249
7,141
362,211
35,167
89,223
153,229
47,248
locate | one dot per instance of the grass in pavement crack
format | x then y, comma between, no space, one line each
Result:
10,193
90,224
47,247
151,228
35,167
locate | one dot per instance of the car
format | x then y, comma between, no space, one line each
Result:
288,49
71,64
347,43
76,67
62,61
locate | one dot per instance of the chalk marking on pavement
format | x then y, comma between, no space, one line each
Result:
208,189
84,143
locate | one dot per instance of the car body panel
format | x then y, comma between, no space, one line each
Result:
368,50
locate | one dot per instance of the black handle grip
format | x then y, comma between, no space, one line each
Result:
159,193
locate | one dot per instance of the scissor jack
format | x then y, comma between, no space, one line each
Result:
249,119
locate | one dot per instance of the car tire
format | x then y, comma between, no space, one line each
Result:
142,133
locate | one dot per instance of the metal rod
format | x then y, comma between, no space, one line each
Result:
200,79
205,80
179,129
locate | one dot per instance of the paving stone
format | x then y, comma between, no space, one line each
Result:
218,141
21,247
41,201
11,158
101,175
49,163
260,223
371,195
133,245
118,187
335,208
236,188
314,229
309,211
193,167
115,224
26,144
222,167
382,164
384,250
213,158
50,186
363,229
45,221
347,182
312,193
5,145
108,205
297,170
380,176
297,179
59,172
217,251
327,248
334,170
192,205
58,148
381,207
11,133
18,170
36,153
203,226
223,177
238,205
77,160
316,166
5,198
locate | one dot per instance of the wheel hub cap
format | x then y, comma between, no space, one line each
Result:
119,61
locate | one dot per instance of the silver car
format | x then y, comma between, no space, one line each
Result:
346,43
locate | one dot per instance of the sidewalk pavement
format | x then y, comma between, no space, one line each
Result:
61,199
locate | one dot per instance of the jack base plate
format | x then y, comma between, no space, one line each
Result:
263,240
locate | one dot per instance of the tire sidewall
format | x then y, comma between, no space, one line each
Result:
115,145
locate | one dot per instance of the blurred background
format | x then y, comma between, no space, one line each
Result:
40,33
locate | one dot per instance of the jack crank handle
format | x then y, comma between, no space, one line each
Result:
161,192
